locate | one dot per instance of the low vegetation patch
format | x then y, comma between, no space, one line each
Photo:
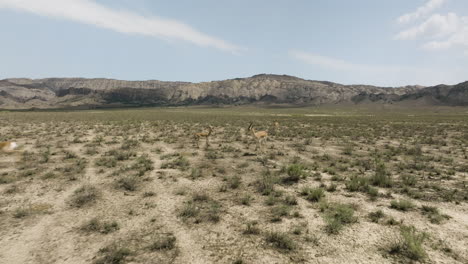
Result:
84,195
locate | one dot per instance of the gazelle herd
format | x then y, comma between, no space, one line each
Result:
259,136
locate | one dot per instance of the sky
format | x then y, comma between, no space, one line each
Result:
376,42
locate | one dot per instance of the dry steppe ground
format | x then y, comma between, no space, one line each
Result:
328,186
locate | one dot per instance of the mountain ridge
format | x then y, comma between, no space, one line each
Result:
49,93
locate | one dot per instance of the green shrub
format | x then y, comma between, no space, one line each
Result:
278,212
315,195
409,180
357,184
411,244
381,177
338,215
294,173
266,185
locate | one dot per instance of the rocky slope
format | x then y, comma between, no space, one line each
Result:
259,89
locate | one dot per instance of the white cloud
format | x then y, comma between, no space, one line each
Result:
440,32
426,9
387,75
90,12
436,26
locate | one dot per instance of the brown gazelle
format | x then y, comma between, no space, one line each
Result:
204,134
8,146
259,136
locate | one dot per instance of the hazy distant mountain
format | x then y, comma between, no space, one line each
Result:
258,89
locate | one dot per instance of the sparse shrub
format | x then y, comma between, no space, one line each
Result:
338,215
212,155
142,165
294,173
392,221
163,242
189,210
331,188
45,156
21,212
252,228
348,150
381,177
402,205
201,208
414,151
279,212
409,180
290,200
200,197
213,212
271,200
94,225
315,194
357,184
128,183
84,195
113,255
411,244
266,184
373,193
69,155
180,162
280,240
234,182
129,144
246,199
109,162
433,214
195,173
149,194
376,216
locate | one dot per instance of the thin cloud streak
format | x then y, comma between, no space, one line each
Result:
387,75
90,12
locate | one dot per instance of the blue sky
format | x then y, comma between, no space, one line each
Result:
379,42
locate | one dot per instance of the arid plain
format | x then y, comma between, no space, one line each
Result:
325,186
